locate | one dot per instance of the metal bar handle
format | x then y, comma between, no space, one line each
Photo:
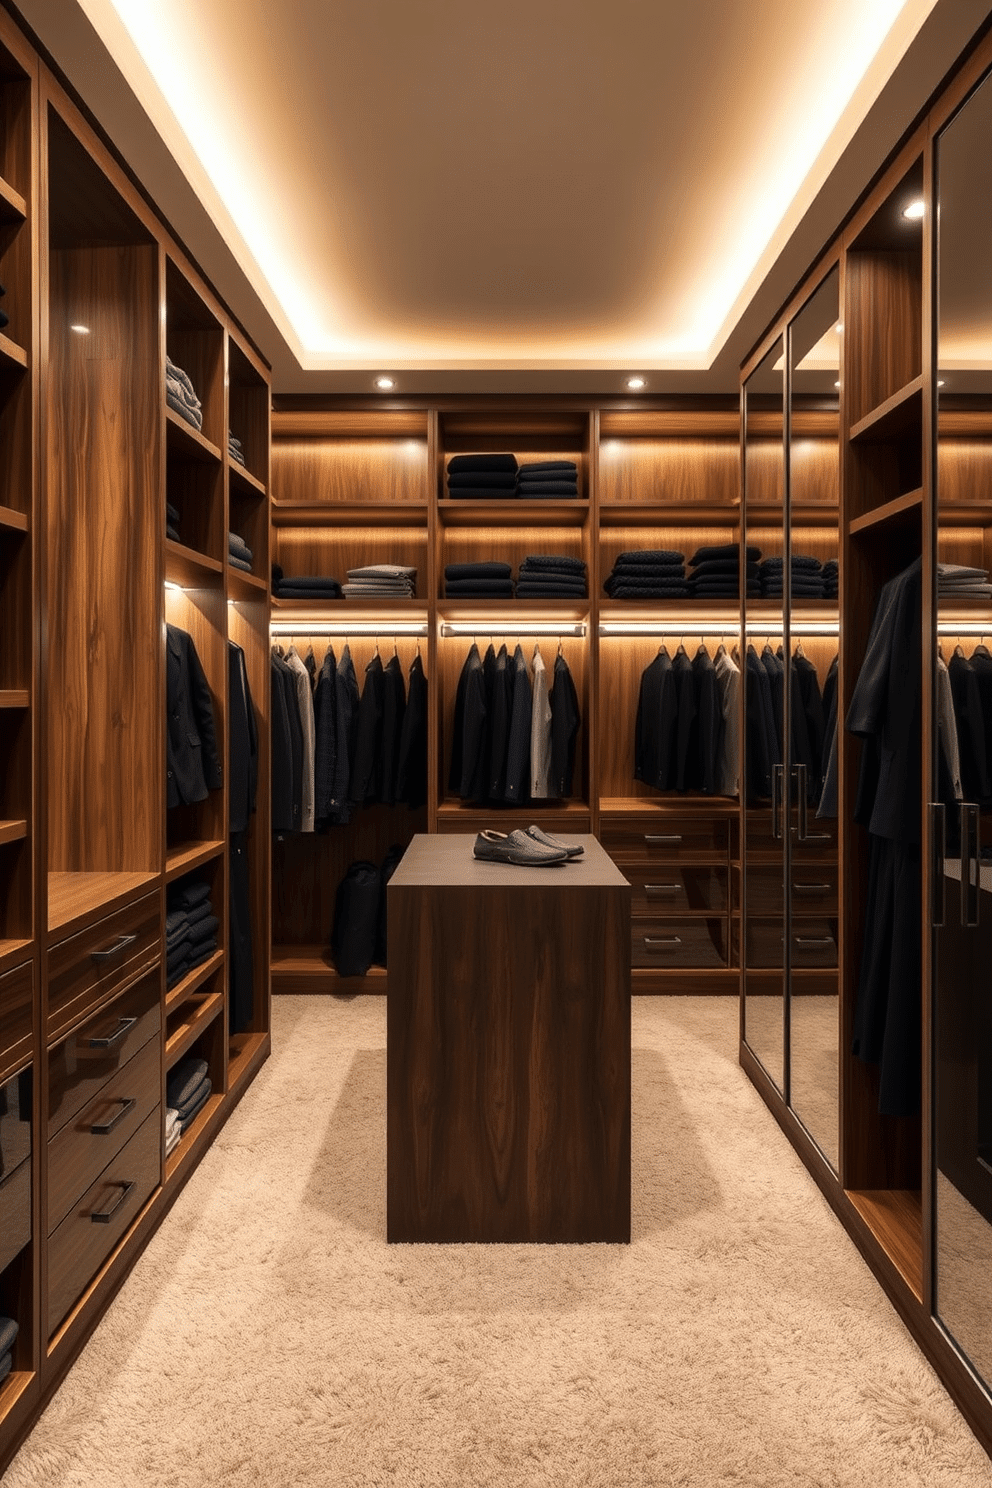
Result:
777,779
815,837
660,839
662,940
969,864
803,831
661,891
104,1216
124,1025
104,1128
113,951
814,939
938,852
811,888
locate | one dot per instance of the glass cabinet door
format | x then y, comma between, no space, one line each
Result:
764,913
961,738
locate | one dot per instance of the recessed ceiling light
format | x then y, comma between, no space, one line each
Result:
836,384
635,384
915,210
80,330
838,327
384,384
940,382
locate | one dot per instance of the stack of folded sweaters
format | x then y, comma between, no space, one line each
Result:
558,479
180,395
716,572
190,928
806,577
381,581
478,581
310,586
8,1334
239,554
172,522
187,1090
551,576
957,581
234,448
482,477
830,576
648,573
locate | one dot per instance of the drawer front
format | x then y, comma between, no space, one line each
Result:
15,1123
674,890
672,840
15,1213
813,888
80,1066
16,988
87,968
678,943
92,1228
82,1149
814,942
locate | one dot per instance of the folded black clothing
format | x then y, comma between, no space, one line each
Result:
713,567
547,488
491,570
239,563
203,929
319,594
554,560
648,591
616,582
499,480
174,973
649,555
185,1122
236,544
549,591
798,560
831,565
724,550
310,581
194,1099
541,467
481,493
172,533
200,953
183,1079
277,575
198,912
649,570
186,894
171,512
179,405
176,946
575,582
458,463
7,1362
8,1334
479,589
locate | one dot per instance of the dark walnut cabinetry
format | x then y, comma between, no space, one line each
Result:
91,461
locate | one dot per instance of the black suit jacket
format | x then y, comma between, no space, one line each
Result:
411,770
366,769
325,738
656,723
393,712
565,720
192,758
242,741
287,684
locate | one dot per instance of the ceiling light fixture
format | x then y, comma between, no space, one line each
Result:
635,384
836,384
915,210
384,384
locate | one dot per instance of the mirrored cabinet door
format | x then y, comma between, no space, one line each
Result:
812,589
763,920
961,749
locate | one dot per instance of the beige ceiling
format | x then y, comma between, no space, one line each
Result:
559,188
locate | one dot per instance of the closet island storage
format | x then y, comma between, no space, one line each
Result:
115,517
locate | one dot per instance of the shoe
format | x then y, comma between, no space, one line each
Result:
571,849
519,848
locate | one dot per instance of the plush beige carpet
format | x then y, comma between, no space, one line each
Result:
269,1336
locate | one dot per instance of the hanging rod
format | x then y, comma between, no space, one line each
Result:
689,625
525,628
965,628
303,626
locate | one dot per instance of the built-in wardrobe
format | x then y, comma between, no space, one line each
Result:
867,901
96,466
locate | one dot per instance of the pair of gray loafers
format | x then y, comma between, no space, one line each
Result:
528,849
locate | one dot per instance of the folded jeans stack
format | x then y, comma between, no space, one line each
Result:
830,576
551,576
187,1089
172,522
648,573
190,929
482,477
478,581
806,577
234,449
239,554
716,572
957,581
308,586
381,581
8,1335
557,479
180,395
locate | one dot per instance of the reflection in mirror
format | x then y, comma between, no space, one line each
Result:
761,934
814,516
962,969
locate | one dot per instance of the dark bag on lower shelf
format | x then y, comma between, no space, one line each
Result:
390,863
356,917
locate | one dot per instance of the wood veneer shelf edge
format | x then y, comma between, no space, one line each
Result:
332,514
13,521
189,855
12,353
246,586
246,1053
75,899
888,512
892,417
189,1031
192,982
242,477
13,952
190,569
188,440
668,514
513,513
13,831
13,207
895,1218
15,697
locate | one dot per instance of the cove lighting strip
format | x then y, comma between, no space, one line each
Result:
525,628
964,628
691,625
347,628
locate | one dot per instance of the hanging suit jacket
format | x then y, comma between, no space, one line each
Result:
468,731
346,703
287,683
281,744
499,725
565,720
193,766
366,770
393,713
242,742
656,724
685,703
411,769
518,742
325,739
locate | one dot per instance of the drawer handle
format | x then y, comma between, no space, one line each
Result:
814,837
104,1216
660,839
124,1025
811,888
120,944
814,940
661,891
662,940
104,1128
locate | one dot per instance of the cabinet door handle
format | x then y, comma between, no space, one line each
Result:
104,1216
811,888
802,834
124,1025
969,864
662,940
777,776
113,951
661,891
814,940
814,837
104,1128
660,839
938,851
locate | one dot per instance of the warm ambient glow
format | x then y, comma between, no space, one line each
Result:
635,384
80,330
914,211
384,384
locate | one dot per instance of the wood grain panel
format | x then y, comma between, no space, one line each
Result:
964,471
248,411
196,489
15,1212
670,944
683,471
895,1218
79,978
195,342
350,470
103,551
16,1019
814,473
883,326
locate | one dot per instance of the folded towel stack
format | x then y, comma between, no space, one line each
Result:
234,448
557,479
806,580
957,581
8,1334
830,576
478,581
239,554
180,395
716,572
190,928
173,1129
551,576
172,522
187,1089
309,586
648,573
482,477
381,581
